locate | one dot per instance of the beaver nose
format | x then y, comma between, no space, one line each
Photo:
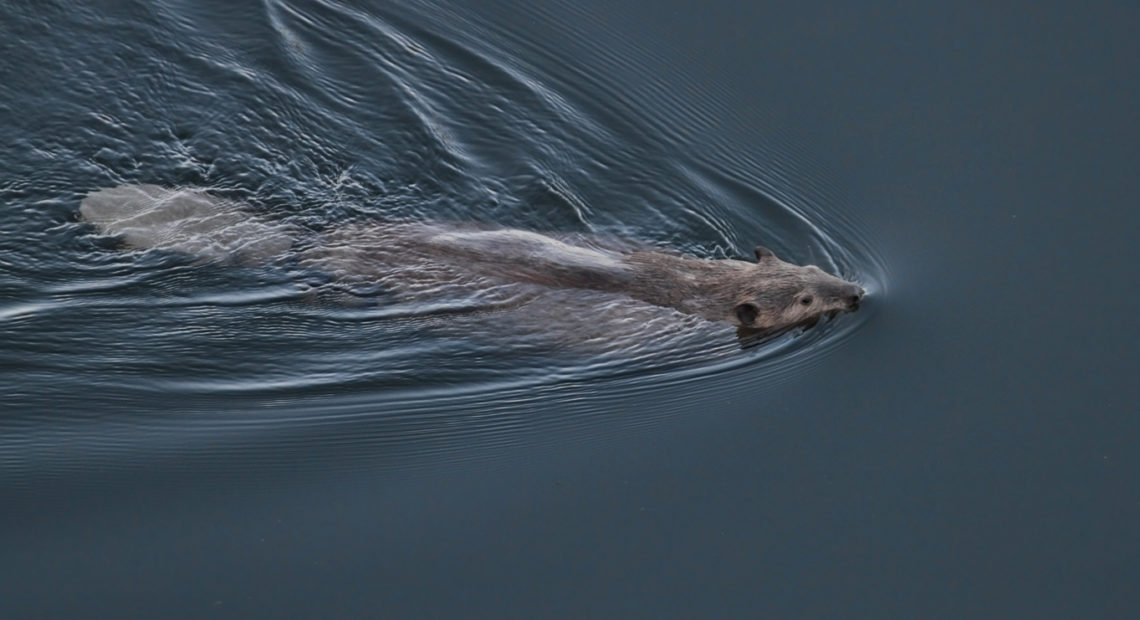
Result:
853,300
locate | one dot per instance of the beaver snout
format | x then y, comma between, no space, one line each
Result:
854,300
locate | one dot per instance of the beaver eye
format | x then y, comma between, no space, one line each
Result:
806,300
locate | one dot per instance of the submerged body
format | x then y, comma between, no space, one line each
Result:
411,258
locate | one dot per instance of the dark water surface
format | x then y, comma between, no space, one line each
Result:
183,439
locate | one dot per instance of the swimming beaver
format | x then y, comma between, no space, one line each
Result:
769,294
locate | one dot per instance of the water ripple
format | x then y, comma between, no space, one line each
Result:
320,113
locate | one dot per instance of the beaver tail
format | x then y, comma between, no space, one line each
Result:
187,220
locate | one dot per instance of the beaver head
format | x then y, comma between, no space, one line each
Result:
786,295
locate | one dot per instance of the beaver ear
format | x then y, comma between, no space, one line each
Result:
763,252
746,313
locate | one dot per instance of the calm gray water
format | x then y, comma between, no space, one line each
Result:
188,439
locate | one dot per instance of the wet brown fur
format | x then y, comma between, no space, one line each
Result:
419,260
767,294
